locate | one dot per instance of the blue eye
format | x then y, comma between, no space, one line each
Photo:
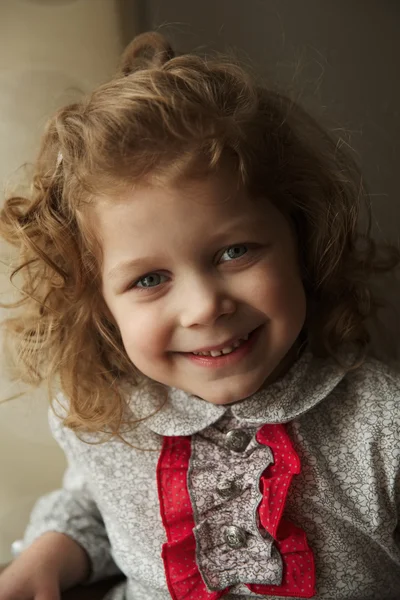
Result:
235,252
149,281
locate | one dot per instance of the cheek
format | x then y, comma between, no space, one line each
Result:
277,290
290,303
144,334
290,293
285,309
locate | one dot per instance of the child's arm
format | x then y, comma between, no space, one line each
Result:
54,562
72,511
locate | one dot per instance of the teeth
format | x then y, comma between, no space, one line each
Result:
226,350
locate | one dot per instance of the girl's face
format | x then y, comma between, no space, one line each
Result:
204,285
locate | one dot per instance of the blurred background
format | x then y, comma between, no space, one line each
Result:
340,58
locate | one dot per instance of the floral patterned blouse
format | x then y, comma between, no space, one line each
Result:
292,492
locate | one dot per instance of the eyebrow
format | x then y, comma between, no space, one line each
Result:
125,267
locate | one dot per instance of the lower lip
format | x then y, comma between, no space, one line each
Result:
226,359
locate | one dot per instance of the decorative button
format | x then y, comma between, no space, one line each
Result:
235,537
227,488
237,440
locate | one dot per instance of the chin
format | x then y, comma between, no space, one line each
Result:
231,396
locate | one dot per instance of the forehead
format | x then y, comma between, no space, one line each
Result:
211,202
153,224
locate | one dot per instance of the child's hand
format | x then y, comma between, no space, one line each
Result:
54,562
24,579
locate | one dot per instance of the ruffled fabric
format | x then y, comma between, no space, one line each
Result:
214,465
298,560
179,552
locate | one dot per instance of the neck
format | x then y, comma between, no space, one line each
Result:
285,364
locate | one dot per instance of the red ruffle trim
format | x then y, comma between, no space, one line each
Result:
179,552
298,560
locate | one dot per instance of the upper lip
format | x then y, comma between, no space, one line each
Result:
221,346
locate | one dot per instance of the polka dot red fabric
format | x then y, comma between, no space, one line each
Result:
179,552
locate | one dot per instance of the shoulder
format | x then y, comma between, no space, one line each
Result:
361,416
369,396
59,410
377,383
366,402
135,435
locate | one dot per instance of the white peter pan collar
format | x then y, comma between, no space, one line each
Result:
306,384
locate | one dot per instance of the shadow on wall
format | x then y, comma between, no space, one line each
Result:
134,18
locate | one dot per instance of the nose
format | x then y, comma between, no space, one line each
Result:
204,301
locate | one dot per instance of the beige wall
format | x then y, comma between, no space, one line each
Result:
51,51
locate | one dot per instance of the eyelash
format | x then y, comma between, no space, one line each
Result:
134,285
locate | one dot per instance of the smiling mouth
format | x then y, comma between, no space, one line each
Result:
224,356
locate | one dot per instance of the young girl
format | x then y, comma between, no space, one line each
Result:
194,276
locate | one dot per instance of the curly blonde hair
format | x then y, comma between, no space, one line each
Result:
166,116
